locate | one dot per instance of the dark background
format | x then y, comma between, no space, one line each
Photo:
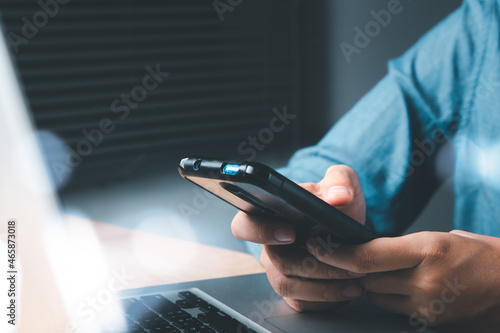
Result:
225,79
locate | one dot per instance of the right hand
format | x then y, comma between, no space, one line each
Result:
305,283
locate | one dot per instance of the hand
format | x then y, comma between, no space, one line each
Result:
435,278
304,282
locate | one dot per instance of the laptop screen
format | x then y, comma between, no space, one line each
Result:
49,271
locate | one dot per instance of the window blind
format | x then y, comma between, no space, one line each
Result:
156,79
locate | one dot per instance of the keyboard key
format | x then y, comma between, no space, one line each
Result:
192,298
203,317
209,308
132,305
136,329
189,296
185,304
143,317
194,330
153,322
157,314
161,325
135,309
159,304
170,329
180,322
220,321
206,329
175,315
189,323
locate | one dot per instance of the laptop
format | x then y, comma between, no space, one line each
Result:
51,273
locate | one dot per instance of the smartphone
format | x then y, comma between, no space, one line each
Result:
257,189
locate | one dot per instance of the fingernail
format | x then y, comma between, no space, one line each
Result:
352,291
283,235
358,275
338,191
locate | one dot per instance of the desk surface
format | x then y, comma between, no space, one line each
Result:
155,259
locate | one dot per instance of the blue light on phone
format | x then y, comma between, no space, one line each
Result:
231,169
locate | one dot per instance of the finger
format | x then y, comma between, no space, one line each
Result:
395,283
340,188
394,303
305,306
261,230
293,260
314,188
379,255
311,290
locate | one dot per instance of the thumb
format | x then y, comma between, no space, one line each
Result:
340,188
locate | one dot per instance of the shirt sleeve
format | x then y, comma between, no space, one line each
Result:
391,136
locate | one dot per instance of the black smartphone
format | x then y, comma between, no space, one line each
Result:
257,189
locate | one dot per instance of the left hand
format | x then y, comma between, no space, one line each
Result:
433,277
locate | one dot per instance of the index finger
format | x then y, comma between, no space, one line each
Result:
378,255
262,230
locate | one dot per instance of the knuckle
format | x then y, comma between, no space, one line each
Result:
262,236
264,258
331,272
239,225
428,285
363,262
328,294
340,171
282,266
284,286
236,231
349,173
321,253
332,168
279,263
298,305
438,248
345,169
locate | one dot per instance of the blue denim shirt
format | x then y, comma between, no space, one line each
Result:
444,90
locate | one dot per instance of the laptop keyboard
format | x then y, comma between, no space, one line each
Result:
189,313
